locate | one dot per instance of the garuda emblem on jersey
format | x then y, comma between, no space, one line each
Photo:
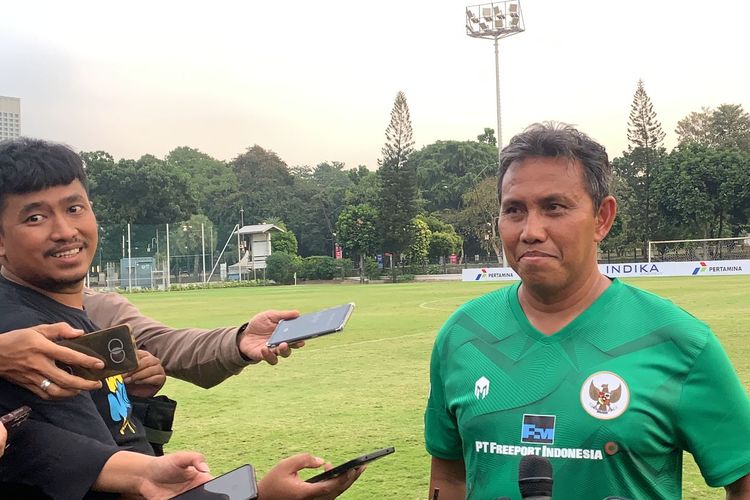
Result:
603,398
605,395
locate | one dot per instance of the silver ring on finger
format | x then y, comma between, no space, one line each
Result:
45,384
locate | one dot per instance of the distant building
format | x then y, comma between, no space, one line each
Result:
256,243
10,117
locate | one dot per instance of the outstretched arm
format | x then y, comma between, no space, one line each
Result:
200,356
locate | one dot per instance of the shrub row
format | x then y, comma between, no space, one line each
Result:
281,267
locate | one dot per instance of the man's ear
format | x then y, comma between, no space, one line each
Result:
605,217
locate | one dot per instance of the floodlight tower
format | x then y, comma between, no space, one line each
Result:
494,21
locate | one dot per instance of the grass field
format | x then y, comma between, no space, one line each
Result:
366,388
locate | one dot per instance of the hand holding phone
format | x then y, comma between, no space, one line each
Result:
13,421
114,346
351,464
238,484
311,325
28,356
283,480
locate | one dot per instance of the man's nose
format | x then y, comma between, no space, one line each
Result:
534,229
64,229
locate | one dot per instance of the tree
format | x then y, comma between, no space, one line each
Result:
213,180
728,126
448,169
704,192
357,174
284,241
397,180
145,191
731,125
357,231
399,137
318,196
443,244
331,184
487,137
624,228
696,127
477,221
639,164
419,248
364,188
443,237
303,218
281,267
265,185
644,129
99,167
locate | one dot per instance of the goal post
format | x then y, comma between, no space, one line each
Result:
699,249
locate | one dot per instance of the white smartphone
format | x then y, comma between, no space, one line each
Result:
311,325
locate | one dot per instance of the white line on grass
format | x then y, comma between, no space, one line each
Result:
338,346
424,305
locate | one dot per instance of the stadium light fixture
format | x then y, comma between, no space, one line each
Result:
489,21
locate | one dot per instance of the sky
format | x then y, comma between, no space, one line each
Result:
316,81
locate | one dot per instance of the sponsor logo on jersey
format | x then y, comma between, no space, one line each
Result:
493,448
538,429
481,388
605,395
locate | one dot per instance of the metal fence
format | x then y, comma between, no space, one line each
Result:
141,256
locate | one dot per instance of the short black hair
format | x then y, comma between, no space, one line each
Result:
28,165
560,140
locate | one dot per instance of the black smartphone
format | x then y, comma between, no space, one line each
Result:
238,484
13,421
115,346
311,325
351,464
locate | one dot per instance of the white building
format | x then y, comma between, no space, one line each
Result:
10,117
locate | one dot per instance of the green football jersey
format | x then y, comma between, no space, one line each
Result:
612,399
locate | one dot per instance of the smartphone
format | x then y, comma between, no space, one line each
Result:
14,420
238,484
115,346
311,325
351,464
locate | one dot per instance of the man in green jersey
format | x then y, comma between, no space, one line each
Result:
609,382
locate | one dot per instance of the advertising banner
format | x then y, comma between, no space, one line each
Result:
630,270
